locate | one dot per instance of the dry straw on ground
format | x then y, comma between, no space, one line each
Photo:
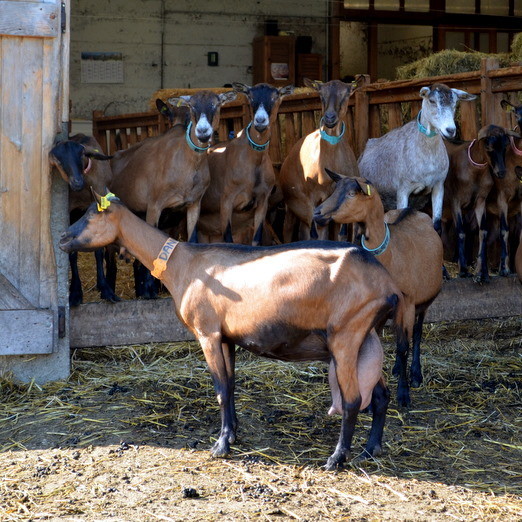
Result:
454,455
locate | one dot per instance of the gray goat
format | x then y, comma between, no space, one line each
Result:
412,159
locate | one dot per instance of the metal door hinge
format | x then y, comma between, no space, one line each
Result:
64,18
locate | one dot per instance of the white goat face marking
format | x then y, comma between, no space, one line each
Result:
203,128
438,110
261,118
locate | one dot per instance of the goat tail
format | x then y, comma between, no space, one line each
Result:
399,316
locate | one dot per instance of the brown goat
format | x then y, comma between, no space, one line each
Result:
170,171
473,167
299,302
408,247
505,199
241,171
82,165
303,180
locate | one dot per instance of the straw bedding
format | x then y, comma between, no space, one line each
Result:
127,435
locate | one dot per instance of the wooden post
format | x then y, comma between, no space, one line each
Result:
362,113
490,103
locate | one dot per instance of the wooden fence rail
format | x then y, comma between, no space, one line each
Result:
374,109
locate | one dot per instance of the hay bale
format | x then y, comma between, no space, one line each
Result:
448,61
516,47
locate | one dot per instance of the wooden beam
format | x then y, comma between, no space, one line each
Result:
139,322
29,19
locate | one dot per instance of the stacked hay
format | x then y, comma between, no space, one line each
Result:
450,61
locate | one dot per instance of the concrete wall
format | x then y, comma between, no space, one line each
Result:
183,32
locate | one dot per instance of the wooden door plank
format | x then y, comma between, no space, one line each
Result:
34,19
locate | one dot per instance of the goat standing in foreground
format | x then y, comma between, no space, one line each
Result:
407,245
170,171
473,167
241,171
298,302
82,165
303,179
412,159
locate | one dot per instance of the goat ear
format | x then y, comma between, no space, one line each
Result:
313,84
518,172
179,101
241,87
365,186
333,176
513,133
463,95
286,90
96,196
507,106
164,109
226,97
425,92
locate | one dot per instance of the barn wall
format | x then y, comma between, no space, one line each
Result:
191,30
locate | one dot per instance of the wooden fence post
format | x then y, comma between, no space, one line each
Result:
362,115
492,113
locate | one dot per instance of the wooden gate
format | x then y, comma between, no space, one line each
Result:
34,41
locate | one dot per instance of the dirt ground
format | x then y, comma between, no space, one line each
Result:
126,438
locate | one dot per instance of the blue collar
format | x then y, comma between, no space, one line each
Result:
382,247
332,140
253,144
191,144
423,129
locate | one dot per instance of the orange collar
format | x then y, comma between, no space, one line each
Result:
160,263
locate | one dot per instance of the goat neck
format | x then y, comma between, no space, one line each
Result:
333,135
192,140
258,141
374,229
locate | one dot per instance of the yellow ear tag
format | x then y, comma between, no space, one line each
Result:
105,201
179,103
368,189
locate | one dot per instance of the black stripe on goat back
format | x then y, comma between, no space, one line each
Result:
297,245
405,214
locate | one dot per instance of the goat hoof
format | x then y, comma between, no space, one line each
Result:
504,272
220,449
110,296
481,279
369,453
335,462
403,399
415,383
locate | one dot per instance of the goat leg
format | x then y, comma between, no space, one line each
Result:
503,269
220,358
345,359
102,283
401,362
415,368
379,405
75,287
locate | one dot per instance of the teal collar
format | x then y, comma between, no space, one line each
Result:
382,247
332,140
191,144
253,144
423,129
